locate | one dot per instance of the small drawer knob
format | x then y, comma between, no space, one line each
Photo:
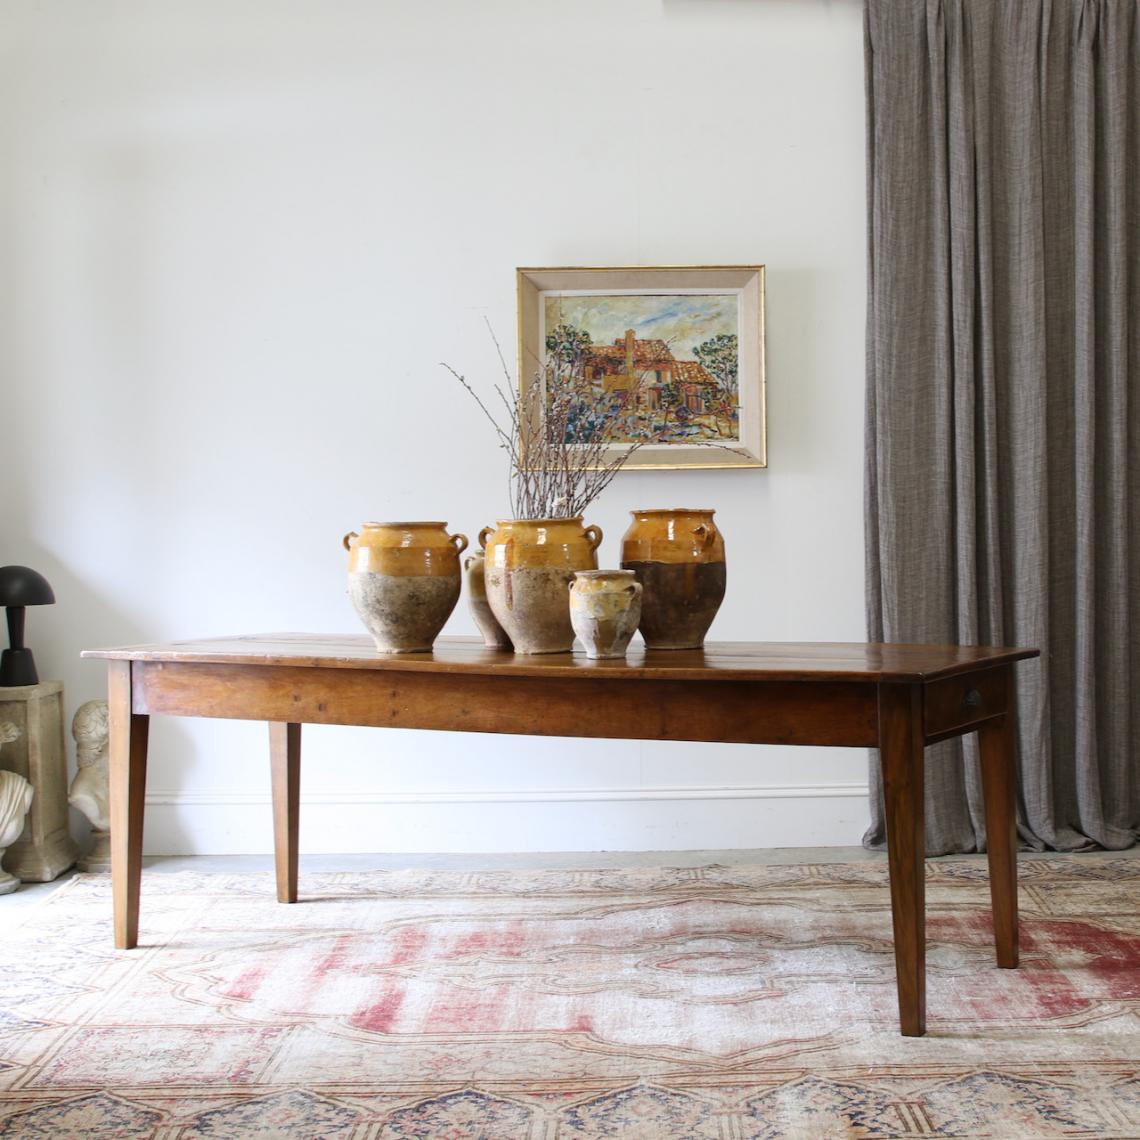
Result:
972,699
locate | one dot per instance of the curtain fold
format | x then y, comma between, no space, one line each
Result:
1003,387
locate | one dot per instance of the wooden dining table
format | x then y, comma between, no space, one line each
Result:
897,698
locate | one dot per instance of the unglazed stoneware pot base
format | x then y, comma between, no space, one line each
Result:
403,614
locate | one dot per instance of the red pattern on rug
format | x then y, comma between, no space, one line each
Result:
717,1002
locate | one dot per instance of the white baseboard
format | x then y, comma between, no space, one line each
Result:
520,820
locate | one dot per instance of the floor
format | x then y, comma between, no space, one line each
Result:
32,893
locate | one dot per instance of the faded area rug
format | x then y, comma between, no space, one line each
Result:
720,1003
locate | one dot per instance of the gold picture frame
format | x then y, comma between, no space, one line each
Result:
668,357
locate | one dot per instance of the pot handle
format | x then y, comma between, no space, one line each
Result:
459,541
347,540
633,589
704,535
594,536
484,534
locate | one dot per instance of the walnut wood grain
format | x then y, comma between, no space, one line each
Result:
127,787
999,791
285,775
769,661
901,754
898,697
583,705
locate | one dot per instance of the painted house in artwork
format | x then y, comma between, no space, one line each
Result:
637,371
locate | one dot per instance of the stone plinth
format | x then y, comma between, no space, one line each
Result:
45,848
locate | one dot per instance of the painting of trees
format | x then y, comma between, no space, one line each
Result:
566,344
719,356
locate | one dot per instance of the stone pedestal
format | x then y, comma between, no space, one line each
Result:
45,848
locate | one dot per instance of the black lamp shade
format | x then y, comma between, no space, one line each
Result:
20,586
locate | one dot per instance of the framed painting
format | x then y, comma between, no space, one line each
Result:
667,363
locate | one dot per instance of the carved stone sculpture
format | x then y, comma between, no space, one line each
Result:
15,800
89,788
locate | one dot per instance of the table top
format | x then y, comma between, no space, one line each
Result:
740,660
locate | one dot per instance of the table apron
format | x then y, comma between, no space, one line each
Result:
825,713
961,704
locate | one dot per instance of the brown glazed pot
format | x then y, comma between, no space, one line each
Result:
528,567
403,578
677,554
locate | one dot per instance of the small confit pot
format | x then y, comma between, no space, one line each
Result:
605,607
528,568
403,578
677,554
494,636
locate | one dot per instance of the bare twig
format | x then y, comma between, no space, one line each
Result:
560,460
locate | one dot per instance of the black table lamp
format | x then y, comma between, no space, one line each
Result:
20,587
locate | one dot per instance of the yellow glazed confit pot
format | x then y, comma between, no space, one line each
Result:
403,579
528,567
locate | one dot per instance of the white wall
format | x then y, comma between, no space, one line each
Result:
239,236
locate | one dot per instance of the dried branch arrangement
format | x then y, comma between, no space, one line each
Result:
558,457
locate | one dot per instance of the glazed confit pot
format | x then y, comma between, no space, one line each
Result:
403,579
605,607
494,636
528,567
677,555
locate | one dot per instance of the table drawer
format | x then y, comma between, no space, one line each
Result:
953,704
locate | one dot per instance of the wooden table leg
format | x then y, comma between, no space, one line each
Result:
901,750
999,786
127,786
285,765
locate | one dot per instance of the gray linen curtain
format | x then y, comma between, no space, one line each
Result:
1003,386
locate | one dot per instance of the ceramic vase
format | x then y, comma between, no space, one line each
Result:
605,607
529,565
678,556
494,636
403,578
